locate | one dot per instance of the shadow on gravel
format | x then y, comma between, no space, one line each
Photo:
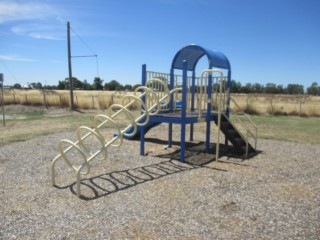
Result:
108,183
105,184
195,152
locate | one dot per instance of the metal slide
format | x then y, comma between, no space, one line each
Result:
137,135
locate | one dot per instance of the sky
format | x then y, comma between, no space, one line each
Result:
266,41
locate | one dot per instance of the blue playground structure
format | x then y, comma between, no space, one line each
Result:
204,99
171,98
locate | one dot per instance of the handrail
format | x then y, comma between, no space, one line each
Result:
209,72
247,129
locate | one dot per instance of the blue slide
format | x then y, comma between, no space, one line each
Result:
137,135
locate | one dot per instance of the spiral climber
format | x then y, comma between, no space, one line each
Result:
152,98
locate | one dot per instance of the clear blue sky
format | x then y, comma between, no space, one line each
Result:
265,41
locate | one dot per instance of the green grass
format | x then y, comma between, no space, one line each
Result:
31,122
28,123
288,128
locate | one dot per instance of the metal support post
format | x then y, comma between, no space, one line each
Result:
184,112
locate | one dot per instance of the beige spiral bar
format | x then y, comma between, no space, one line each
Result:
153,103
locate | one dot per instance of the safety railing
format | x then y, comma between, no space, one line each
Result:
206,97
165,77
250,130
202,92
151,105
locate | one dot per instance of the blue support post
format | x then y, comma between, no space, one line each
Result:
170,135
142,130
144,75
142,141
183,112
209,88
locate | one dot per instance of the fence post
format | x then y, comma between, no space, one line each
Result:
60,100
300,107
92,102
44,99
14,98
270,99
26,99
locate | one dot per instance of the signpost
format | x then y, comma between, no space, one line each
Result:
2,98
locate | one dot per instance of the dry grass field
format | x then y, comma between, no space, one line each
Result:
295,105
275,104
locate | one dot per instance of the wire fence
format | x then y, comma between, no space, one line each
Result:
298,105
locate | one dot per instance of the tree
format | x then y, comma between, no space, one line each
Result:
65,84
235,86
97,83
295,89
271,88
37,85
112,85
136,86
314,89
128,87
246,89
62,85
17,86
77,84
257,88
281,89
87,86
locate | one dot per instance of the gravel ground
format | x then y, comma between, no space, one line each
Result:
273,195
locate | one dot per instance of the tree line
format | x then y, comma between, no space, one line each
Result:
97,84
272,88
236,87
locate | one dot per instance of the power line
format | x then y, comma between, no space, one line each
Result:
5,66
85,44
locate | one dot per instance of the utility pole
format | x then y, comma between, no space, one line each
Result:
2,98
70,68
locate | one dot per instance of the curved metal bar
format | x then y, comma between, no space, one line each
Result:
130,117
63,155
156,102
108,119
146,112
92,131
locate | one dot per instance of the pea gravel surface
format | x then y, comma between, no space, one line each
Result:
273,195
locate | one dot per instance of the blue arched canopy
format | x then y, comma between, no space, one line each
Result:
192,55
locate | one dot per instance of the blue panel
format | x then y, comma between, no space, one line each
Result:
192,55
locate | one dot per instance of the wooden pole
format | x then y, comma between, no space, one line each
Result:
70,68
2,99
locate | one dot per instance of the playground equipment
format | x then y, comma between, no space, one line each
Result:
203,99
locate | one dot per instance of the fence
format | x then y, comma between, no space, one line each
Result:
299,105
273,104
